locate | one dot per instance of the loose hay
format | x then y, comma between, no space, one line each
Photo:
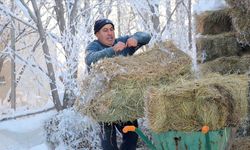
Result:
216,101
214,22
213,46
114,89
227,65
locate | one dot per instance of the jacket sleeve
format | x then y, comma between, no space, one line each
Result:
142,38
93,54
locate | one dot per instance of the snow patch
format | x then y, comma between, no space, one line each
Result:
24,133
205,5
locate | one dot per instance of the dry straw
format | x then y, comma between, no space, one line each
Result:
216,101
211,47
214,22
240,12
227,65
114,89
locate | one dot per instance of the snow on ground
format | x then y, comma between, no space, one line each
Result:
25,133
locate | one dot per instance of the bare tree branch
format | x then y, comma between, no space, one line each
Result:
60,15
100,8
26,115
24,66
73,17
109,8
170,16
18,19
4,27
29,11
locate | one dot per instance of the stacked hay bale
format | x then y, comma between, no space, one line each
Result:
231,56
240,12
221,33
217,37
214,22
238,59
217,101
227,65
114,89
211,47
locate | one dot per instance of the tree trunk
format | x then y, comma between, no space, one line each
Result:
190,25
109,9
13,65
71,60
154,8
60,15
155,18
100,8
168,9
1,63
87,14
119,20
46,52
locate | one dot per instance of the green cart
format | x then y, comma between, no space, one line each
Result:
179,140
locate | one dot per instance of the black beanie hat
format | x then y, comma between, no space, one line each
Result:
100,23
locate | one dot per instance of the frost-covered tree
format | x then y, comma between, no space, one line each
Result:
67,25
4,36
61,29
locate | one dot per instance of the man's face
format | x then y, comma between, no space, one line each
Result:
106,35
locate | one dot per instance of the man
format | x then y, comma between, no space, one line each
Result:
107,45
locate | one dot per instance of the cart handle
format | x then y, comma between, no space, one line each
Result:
205,129
126,129
132,128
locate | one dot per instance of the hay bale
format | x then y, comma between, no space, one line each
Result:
227,65
214,22
213,46
240,12
114,89
216,101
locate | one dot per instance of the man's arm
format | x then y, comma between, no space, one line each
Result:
94,54
142,38
134,42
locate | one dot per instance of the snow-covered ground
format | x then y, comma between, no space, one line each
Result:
25,133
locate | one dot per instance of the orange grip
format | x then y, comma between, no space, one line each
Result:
205,129
126,129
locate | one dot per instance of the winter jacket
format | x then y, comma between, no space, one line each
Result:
96,50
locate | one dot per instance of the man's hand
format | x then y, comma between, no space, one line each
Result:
119,46
131,42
